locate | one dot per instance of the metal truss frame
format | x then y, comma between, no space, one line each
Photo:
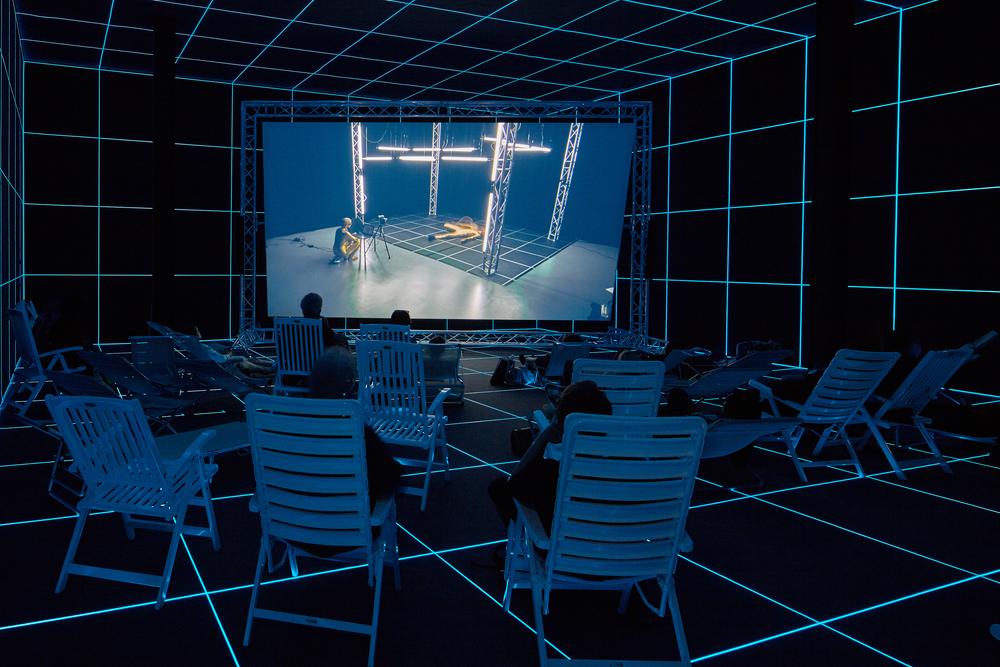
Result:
565,179
357,163
253,113
432,205
496,204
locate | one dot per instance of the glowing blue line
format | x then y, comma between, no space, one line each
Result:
785,606
720,35
802,221
928,192
573,59
107,29
211,605
433,46
885,4
280,33
726,134
478,587
666,268
937,495
928,97
193,31
570,31
734,207
895,208
353,44
729,203
926,289
696,12
511,50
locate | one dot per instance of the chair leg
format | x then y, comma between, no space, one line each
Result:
536,603
427,478
932,445
168,568
71,551
379,564
292,562
792,440
823,439
261,557
443,444
877,434
213,526
127,523
675,617
851,452
623,600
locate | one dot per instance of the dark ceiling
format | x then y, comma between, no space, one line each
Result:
422,49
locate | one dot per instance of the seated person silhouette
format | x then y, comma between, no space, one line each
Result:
345,244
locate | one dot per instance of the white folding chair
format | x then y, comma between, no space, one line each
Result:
632,387
28,375
298,344
393,393
397,333
312,495
921,386
622,499
118,459
443,370
837,400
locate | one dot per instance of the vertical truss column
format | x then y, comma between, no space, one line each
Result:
357,161
641,182
432,206
248,209
503,160
565,179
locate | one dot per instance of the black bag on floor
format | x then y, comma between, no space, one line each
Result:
505,374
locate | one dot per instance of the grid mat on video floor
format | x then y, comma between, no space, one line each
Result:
521,250
840,570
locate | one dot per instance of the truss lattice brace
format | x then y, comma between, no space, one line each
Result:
357,162
432,206
503,160
565,179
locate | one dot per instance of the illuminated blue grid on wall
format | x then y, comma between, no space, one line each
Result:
927,181
11,177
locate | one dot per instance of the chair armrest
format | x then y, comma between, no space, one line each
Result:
193,450
60,351
532,525
540,419
438,405
384,506
58,358
768,394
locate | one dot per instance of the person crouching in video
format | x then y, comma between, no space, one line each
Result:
345,244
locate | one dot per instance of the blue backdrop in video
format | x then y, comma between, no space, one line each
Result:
432,264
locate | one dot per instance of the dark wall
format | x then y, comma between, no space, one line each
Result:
11,178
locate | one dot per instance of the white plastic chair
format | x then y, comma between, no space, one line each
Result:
124,472
624,489
298,344
393,393
921,386
312,494
397,333
443,370
632,387
837,400
28,375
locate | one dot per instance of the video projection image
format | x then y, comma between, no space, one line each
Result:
543,247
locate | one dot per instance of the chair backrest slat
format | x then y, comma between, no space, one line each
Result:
926,380
624,490
397,333
565,353
111,443
845,385
391,379
309,464
442,363
632,387
298,343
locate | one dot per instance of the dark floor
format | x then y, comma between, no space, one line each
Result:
842,571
